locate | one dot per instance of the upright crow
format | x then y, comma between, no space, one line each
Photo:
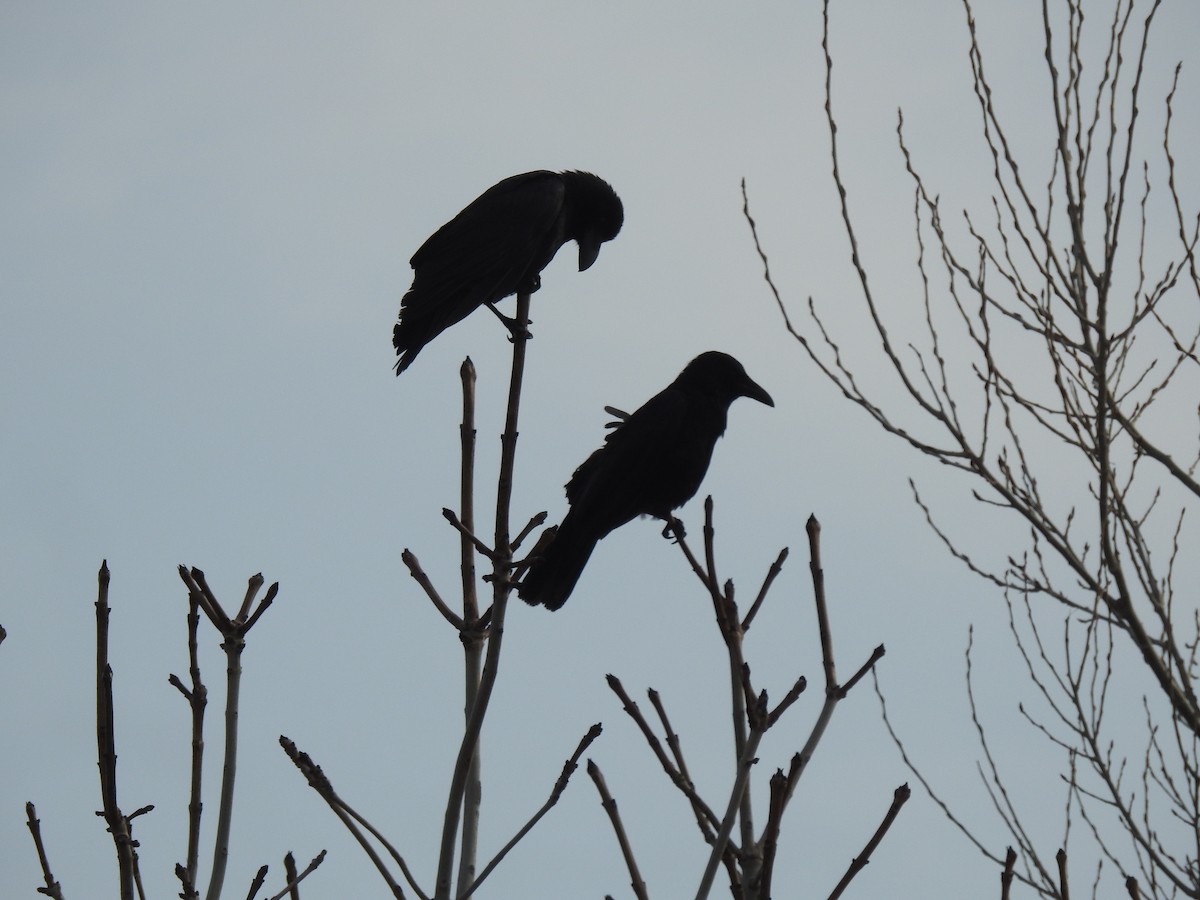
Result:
652,463
498,246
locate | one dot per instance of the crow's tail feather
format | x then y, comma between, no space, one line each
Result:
553,576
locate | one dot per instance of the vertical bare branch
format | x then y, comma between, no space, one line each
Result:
501,588
1063,889
289,871
197,698
233,645
118,824
233,631
471,633
1006,874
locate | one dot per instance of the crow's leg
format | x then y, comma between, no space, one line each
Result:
515,328
673,530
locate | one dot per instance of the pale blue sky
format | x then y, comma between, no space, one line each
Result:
206,213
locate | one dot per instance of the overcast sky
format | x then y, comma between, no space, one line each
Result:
207,212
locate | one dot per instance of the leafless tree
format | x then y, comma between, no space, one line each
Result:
1054,324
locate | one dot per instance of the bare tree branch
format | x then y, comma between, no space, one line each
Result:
859,862
118,823
568,770
52,889
610,807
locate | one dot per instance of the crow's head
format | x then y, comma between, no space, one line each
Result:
595,214
721,376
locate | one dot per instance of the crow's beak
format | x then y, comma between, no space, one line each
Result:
589,249
754,391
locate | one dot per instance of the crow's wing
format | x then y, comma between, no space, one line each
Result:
483,254
650,464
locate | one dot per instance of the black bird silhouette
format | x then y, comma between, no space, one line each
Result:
498,246
652,463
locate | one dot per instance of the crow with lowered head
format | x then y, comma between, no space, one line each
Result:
652,463
498,246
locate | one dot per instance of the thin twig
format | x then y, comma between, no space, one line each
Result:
813,527
465,531
706,818
772,573
414,569
899,798
293,885
533,523
556,792
319,782
52,889
876,655
610,807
